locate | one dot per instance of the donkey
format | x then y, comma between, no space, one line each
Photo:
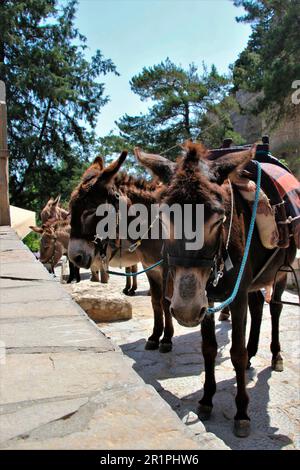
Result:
101,185
54,243
188,274
53,211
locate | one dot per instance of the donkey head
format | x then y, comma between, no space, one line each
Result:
51,210
188,269
51,250
95,188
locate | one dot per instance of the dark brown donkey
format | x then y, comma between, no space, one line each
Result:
101,185
197,181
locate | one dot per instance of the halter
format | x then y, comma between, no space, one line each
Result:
218,261
102,245
50,260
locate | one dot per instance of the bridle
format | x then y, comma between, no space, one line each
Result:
218,261
101,245
50,259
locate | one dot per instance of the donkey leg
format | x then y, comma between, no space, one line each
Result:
239,359
128,281
225,314
166,342
209,350
156,297
104,276
71,272
77,273
133,280
256,304
275,309
94,275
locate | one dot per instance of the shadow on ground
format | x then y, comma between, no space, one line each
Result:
170,373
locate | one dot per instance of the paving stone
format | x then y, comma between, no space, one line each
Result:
25,270
14,256
137,419
27,418
52,308
10,244
27,377
73,332
23,293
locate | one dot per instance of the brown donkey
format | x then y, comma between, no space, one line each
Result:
188,274
53,212
54,244
101,185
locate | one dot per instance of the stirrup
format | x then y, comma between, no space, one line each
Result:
286,268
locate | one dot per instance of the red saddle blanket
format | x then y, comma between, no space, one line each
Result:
289,189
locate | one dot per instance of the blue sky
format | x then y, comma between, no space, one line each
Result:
139,33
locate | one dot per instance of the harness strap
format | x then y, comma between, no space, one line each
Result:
191,262
230,299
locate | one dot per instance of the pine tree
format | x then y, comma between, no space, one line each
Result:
53,97
178,99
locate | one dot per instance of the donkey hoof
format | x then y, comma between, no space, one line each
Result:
125,291
131,292
204,412
165,347
224,316
242,427
151,345
277,365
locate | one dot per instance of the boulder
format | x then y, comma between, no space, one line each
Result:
100,301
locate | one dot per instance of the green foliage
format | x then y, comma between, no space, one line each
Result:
217,124
53,95
179,99
270,62
32,240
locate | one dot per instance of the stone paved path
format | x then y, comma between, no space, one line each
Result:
178,376
63,384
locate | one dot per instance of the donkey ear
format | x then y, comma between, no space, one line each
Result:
231,165
99,162
158,165
111,170
36,229
56,201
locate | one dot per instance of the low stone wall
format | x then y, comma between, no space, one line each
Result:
64,385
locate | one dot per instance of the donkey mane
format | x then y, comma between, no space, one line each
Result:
191,185
129,184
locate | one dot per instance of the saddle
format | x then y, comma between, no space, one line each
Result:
278,217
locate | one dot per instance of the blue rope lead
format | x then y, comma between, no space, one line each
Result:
116,273
247,248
